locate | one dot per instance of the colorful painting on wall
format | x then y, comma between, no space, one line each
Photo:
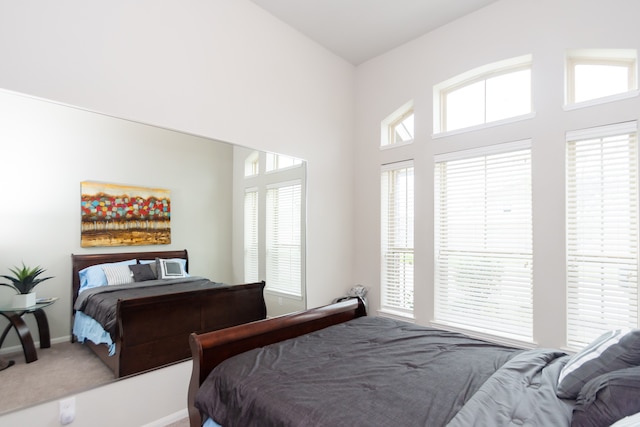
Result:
122,215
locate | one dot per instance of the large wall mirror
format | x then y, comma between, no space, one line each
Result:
48,149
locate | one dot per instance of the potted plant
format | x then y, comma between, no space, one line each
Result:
23,281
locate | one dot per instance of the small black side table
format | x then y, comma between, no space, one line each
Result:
14,315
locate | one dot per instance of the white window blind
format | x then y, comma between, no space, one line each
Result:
483,240
602,231
283,238
397,236
251,253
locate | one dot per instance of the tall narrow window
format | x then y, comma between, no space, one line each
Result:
251,254
397,237
599,73
283,238
483,240
602,231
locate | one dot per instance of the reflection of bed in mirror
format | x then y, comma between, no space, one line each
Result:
135,310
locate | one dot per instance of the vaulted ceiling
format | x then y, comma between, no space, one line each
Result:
358,30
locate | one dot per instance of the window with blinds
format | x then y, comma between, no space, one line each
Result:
483,240
283,238
397,237
251,249
602,231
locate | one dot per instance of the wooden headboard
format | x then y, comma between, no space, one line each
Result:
79,262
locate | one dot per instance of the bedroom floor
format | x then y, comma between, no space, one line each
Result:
60,370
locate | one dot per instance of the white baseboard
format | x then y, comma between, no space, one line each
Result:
18,348
172,418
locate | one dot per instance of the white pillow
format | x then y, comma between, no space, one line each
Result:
118,274
170,268
630,421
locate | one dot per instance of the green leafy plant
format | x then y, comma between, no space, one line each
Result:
25,279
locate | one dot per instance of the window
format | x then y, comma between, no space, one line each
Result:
397,237
488,94
283,234
279,162
273,223
251,254
602,231
398,128
252,164
483,240
593,74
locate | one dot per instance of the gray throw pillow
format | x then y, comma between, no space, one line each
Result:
613,350
608,398
142,272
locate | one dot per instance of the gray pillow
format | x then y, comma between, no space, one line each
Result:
608,398
142,272
613,350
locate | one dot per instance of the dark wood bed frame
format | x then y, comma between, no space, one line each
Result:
154,331
210,349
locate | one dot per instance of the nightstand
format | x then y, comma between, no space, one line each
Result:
14,315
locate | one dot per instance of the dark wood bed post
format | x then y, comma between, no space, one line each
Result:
212,348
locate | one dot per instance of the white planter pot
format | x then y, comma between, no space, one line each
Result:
24,300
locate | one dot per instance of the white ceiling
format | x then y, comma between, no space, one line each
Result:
358,30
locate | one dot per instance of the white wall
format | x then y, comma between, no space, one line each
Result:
139,401
505,29
223,69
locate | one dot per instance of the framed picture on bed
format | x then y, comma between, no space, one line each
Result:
124,215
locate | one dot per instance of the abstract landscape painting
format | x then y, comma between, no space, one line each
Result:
123,215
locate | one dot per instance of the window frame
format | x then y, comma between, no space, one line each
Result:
261,183
388,125
273,285
251,239
524,334
615,57
483,73
579,256
400,310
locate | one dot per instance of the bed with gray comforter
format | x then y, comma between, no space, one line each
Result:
373,371
101,303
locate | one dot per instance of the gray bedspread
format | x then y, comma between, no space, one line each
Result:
522,392
370,371
100,303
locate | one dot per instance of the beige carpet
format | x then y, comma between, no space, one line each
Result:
61,370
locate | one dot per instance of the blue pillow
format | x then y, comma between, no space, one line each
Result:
92,277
